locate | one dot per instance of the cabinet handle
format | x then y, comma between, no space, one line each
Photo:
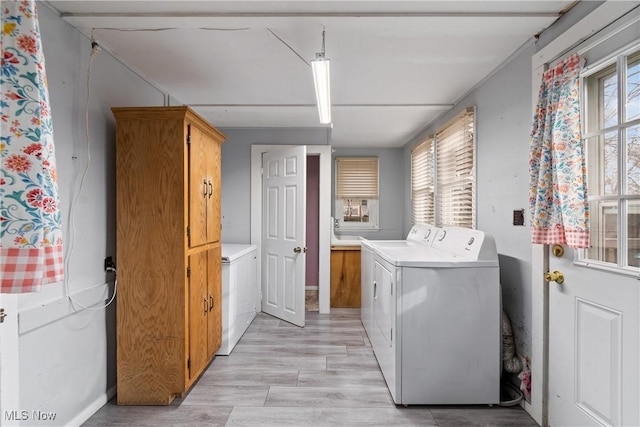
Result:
375,290
210,189
204,193
205,306
210,302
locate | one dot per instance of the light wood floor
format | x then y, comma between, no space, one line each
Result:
324,374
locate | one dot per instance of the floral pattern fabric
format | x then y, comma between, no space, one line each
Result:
558,193
31,252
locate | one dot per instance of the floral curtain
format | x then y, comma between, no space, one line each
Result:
31,253
558,194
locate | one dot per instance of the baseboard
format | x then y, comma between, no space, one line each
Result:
93,407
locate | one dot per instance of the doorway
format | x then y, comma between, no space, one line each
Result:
323,153
313,223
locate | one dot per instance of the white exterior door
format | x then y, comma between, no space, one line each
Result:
593,347
283,233
585,331
10,412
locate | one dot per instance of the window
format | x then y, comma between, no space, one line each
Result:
612,139
453,172
357,192
422,183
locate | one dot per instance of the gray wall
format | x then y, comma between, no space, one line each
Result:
236,172
67,357
390,184
503,124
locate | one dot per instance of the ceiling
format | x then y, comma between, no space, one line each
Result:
395,65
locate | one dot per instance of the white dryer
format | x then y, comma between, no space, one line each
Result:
431,307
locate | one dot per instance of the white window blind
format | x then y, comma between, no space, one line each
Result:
455,175
422,183
357,178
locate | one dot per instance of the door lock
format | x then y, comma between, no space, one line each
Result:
2,315
556,276
557,250
299,249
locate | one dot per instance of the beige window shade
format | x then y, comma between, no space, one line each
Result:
422,183
455,175
357,178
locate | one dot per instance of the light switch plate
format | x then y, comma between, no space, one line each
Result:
518,217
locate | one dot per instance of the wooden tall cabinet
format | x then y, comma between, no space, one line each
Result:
169,321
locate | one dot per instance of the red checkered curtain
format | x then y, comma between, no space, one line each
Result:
558,193
31,251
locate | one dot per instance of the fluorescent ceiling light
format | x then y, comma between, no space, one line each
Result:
322,82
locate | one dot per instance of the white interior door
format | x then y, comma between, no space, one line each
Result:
9,386
593,347
283,233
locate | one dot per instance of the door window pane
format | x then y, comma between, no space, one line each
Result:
633,233
604,231
602,164
633,160
633,87
609,91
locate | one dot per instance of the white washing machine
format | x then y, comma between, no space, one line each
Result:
431,307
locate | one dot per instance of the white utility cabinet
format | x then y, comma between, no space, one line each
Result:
239,293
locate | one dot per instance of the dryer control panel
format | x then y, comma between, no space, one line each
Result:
467,243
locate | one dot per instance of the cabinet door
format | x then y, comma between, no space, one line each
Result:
214,317
345,278
199,186
213,196
198,312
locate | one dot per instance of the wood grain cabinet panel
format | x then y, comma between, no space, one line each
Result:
345,277
168,251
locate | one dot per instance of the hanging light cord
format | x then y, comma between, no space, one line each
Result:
95,49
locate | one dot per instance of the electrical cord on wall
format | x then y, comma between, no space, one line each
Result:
95,50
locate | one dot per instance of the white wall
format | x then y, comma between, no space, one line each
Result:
67,357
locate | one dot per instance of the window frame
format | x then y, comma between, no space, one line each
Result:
459,119
373,204
621,199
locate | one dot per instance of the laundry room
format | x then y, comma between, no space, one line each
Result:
407,79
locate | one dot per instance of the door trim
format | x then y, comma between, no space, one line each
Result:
567,42
9,359
324,238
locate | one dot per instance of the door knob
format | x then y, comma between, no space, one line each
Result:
556,276
2,315
299,249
